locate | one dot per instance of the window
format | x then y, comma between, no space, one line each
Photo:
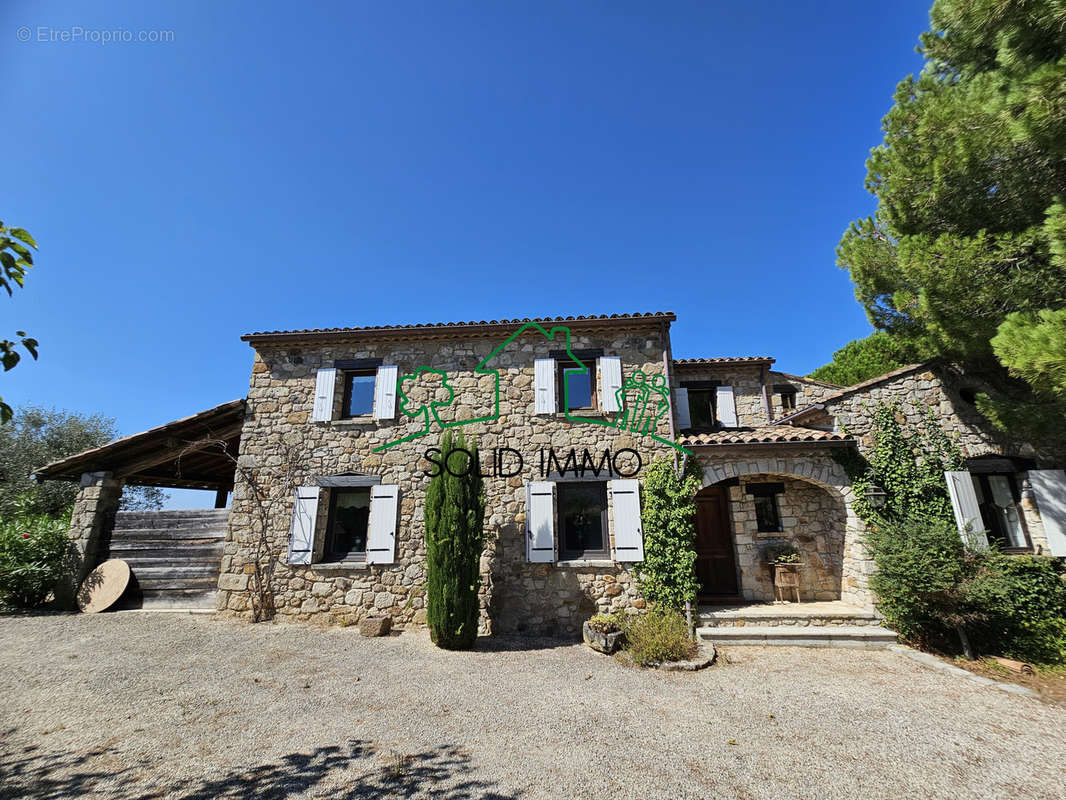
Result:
701,408
767,515
997,497
582,520
577,390
348,524
786,395
358,393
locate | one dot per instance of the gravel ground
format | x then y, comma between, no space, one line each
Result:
153,705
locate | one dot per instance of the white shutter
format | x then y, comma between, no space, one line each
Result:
1049,489
384,515
385,393
628,537
540,522
967,512
325,384
684,418
610,372
544,385
302,530
726,405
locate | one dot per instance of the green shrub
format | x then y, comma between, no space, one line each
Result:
660,635
454,513
929,586
922,578
1024,598
607,623
667,576
35,554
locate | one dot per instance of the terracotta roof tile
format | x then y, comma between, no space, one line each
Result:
665,316
767,434
722,360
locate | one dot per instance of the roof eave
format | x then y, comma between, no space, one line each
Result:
465,329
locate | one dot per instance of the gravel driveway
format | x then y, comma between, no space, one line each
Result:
154,705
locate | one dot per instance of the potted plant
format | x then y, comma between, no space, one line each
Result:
603,633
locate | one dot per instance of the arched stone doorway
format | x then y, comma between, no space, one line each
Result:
813,499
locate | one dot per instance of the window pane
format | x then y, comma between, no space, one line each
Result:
766,517
1004,500
701,408
581,510
351,516
361,400
579,389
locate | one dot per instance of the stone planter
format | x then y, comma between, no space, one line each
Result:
601,642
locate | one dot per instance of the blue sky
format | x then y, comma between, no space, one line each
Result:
280,165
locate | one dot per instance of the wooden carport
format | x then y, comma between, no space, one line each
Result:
173,555
196,452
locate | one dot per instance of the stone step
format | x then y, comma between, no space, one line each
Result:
166,523
787,614
188,546
857,636
139,562
170,600
168,534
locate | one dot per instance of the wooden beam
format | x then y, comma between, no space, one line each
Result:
162,454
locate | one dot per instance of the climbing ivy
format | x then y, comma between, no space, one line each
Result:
667,576
910,468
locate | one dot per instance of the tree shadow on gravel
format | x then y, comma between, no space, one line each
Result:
357,770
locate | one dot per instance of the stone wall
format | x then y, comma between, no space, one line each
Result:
808,391
91,522
283,449
940,390
812,520
747,383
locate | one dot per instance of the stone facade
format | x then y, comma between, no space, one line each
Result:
947,392
284,448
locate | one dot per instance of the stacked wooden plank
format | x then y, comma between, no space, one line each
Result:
174,556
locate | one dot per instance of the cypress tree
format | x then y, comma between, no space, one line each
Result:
454,514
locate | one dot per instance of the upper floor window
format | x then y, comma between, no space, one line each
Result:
786,396
702,404
575,389
358,393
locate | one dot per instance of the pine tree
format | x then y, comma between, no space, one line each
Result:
454,514
971,222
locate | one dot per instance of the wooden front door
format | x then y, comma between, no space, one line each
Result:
716,566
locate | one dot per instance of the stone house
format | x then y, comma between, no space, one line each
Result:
329,456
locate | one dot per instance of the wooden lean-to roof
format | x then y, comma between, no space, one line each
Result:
190,453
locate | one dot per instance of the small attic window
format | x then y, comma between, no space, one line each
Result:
969,394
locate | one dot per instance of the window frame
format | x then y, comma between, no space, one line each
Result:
766,492
349,376
563,363
983,488
329,554
603,554
711,387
